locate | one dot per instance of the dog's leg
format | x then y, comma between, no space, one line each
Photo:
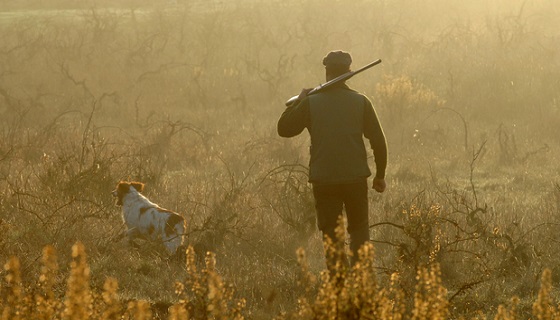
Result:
172,243
175,240
120,234
131,235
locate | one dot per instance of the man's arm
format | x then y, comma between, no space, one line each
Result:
374,133
295,118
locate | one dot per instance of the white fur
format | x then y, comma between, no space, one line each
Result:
145,219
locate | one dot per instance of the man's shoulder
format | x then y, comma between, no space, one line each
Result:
344,89
355,95
354,91
359,95
345,93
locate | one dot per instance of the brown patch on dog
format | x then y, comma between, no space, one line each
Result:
143,210
123,187
151,229
171,222
139,186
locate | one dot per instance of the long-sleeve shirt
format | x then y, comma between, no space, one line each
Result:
337,120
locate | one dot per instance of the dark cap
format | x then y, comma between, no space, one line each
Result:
339,58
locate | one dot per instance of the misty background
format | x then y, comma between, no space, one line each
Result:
185,95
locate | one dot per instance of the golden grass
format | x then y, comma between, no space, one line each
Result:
187,103
339,293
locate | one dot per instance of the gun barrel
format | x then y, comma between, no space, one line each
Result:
329,83
291,100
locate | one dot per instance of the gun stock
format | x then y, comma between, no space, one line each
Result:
338,79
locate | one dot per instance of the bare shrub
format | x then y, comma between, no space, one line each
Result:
184,95
286,190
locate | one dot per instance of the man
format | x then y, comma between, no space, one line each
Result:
337,119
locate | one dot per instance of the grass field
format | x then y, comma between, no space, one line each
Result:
185,97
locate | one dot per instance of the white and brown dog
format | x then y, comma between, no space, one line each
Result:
145,219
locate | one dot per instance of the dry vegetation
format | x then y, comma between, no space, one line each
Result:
184,96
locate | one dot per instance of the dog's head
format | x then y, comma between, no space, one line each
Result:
123,188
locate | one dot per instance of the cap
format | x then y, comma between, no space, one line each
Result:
338,57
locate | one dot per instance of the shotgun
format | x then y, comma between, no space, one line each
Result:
329,83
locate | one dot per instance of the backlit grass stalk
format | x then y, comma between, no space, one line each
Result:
47,304
543,308
505,314
430,298
138,310
111,300
203,295
349,293
78,300
14,307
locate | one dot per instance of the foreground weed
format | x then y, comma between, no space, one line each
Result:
138,310
430,298
204,295
46,302
505,314
14,305
111,300
348,292
339,293
543,308
79,300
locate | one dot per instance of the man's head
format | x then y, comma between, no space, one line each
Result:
337,63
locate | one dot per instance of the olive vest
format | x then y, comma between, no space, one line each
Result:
338,153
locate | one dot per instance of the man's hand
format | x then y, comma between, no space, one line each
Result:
304,93
379,185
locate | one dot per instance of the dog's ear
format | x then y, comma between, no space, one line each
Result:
122,187
139,186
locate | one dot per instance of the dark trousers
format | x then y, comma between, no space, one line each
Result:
329,202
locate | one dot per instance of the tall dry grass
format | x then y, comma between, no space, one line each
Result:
339,293
185,98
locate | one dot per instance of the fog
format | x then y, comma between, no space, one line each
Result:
185,96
